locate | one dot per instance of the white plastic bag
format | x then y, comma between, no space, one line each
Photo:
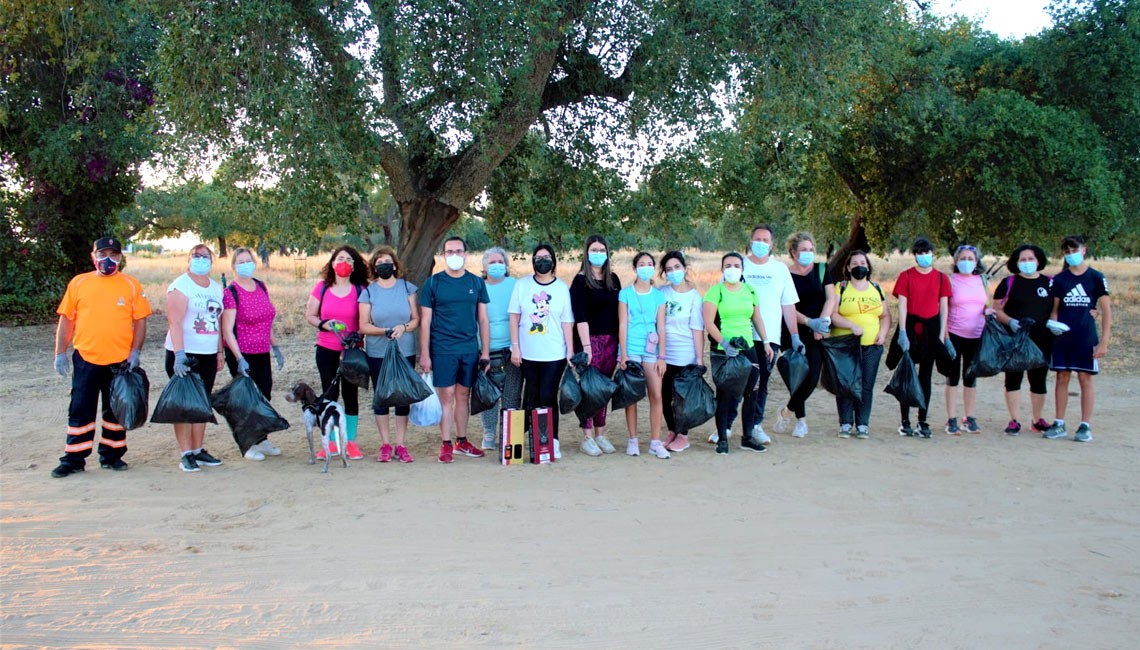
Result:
427,412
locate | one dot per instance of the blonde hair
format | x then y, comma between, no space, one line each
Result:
797,238
238,251
196,248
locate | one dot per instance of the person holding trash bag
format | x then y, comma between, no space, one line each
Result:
1023,302
541,328
1077,290
333,309
455,343
594,299
731,310
861,309
924,296
816,290
500,288
194,312
965,319
387,314
103,313
684,338
247,330
641,338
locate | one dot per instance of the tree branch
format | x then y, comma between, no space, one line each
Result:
585,77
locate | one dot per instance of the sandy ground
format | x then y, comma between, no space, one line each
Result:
981,541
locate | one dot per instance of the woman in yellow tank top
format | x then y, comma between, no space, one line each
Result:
861,310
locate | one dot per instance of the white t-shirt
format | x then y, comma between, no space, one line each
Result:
201,325
542,308
773,284
682,315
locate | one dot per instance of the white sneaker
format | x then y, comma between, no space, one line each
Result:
759,436
801,428
781,423
557,450
713,436
268,448
489,441
590,448
254,454
632,448
658,449
605,445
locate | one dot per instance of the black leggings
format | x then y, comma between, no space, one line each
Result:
925,372
726,405
260,370
1038,377
967,352
328,362
541,380
814,353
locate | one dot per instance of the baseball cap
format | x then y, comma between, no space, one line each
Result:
108,242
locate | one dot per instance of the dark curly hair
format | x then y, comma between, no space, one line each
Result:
1038,252
359,275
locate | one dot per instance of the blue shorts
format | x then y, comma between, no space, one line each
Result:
450,369
1077,358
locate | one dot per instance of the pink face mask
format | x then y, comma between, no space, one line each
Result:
343,269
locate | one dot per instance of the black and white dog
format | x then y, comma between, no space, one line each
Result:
323,412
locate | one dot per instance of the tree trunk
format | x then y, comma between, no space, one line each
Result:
424,223
856,240
223,252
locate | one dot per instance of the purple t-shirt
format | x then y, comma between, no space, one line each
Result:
343,309
253,322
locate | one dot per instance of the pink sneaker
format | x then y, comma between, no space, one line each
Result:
403,454
385,454
467,449
333,451
353,451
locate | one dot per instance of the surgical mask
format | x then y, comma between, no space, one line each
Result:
106,265
454,262
343,269
200,265
966,267
597,258
732,275
805,258
543,265
385,270
761,249
645,273
1075,259
496,270
675,277
860,272
1027,268
245,269
924,260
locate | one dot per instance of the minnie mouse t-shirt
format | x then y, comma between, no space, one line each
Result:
542,308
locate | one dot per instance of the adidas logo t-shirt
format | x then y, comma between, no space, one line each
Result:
1078,295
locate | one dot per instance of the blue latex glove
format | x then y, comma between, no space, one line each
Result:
904,342
820,325
243,366
181,363
61,364
133,360
1014,325
797,344
730,350
280,356
1057,331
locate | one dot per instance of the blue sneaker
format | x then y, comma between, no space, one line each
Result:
1083,434
1055,432
952,427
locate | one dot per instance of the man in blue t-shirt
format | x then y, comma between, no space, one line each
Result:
1080,293
455,342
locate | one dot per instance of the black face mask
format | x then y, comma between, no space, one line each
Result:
860,272
385,270
543,265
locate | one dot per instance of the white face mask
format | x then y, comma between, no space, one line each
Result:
732,274
454,262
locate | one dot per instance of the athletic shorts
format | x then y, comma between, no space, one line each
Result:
451,369
1077,358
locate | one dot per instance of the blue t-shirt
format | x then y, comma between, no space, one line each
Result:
1079,294
642,311
454,303
498,313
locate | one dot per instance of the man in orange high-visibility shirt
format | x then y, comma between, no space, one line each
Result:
104,313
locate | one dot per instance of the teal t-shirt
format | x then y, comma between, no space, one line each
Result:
735,309
642,311
454,303
498,314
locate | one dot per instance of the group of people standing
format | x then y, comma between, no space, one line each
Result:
525,330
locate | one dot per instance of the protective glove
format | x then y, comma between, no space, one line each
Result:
1014,325
904,342
821,325
797,344
1056,330
181,363
730,350
243,366
61,364
133,360
280,356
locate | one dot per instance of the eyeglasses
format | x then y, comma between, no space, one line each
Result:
201,256
454,252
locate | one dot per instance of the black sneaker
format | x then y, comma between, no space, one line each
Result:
905,430
65,469
188,464
204,458
722,447
118,465
924,430
752,444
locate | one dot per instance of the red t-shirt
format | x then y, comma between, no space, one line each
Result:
922,291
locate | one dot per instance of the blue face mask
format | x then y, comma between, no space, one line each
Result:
645,273
1027,268
200,265
675,277
496,270
805,258
925,260
761,249
1075,259
245,269
966,267
597,259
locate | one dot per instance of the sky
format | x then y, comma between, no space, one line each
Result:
1006,18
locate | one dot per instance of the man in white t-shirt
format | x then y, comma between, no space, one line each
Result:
777,293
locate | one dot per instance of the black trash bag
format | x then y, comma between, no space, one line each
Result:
693,400
1024,354
248,413
730,374
793,367
484,393
630,385
843,366
597,389
569,392
184,400
397,383
354,361
993,350
904,384
130,395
